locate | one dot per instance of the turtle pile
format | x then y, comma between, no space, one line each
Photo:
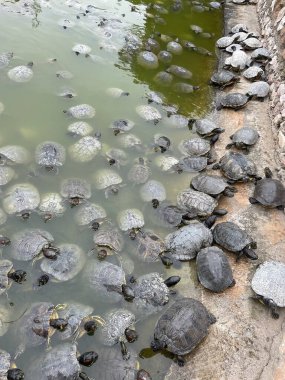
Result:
91,225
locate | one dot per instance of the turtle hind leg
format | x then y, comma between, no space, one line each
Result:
179,360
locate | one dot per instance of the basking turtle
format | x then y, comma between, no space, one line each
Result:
231,237
50,155
75,190
182,327
85,149
191,164
64,74
239,28
6,175
224,78
5,59
258,90
122,125
149,246
108,236
261,55
81,49
174,48
251,43
243,138
139,172
8,369
166,163
79,129
238,61
108,180
253,73
51,206
67,92
214,270
151,190
130,220
8,273
224,42
164,56
148,60
234,47
81,111
22,199
185,243
234,100
194,147
21,74
89,213
14,154
179,72
148,113
196,203
237,167
269,192
269,285
212,185
68,264
30,243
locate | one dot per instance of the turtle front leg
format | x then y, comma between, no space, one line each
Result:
269,303
179,360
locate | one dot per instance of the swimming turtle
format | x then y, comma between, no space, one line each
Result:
212,185
108,180
116,92
196,203
151,190
269,285
176,121
75,190
68,264
196,147
50,155
22,199
179,71
191,164
161,143
81,111
238,61
64,74
8,369
166,215
163,78
251,43
6,175
139,172
67,92
174,47
164,56
9,274
108,236
237,167
185,243
155,97
261,55
233,100
182,327
214,270
106,279
116,157
253,73
30,243
5,59
130,220
243,138
148,60
89,213
148,113
224,78
184,88
196,29
85,149
269,192
14,154
131,141
81,49
205,127
21,74
234,239
122,125
51,206
149,246
166,163
226,41
258,90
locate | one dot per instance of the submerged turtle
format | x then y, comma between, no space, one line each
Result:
8,369
184,88
139,172
108,180
50,155
214,270
148,113
148,60
155,97
234,100
109,237
182,327
116,157
269,285
75,190
85,149
130,220
253,73
179,71
167,215
224,78
196,203
231,237
258,90
149,246
89,213
21,199
151,190
122,125
269,192
80,129
81,49
130,141
232,48
239,28
5,59
212,185
166,163
251,43
185,243
6,175
14,154
51,206
243,138
21,74
8,273
81,111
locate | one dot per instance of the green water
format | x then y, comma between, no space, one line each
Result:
34,113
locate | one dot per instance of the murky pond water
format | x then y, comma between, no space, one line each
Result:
33,114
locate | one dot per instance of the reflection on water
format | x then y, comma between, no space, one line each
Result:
33,113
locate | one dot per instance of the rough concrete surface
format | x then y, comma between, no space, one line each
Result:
245,343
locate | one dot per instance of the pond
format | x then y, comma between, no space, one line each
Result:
116,32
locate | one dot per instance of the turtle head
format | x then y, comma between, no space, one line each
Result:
156,345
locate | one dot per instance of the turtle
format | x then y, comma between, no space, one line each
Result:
149,246
9,274
233,100
196,29
108,237
182,327
224,42
50,155
185,243
238,61
258,90
269,192
30,243
75,190
269,286
188,45
81,111
191,164
251,43
106,279
214,270
155,97
234,239
212,185
164,56
79,129
69,263
253,73
224,78
237,167
122,125
14,154
108,180
151,190
194,147
89,214
139,172
5,59
233,47
21,74
215,5
243,138
131,141
261,55
239,28
115,92
179,72
196,203
163,78
184,88
148,113
205,127
8,369
67,92
64,74
242,36
81,49
21,198
85,149
147,60
166,215
6,175
51,206
161,143
177,121
130,220
166,163
174,48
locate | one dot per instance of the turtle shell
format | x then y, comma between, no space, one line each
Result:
184,88
29,243
269,281
183,326
119,155
253,73
105,178
269,192
149,246
232,48
21,197
5,59
223,78
166,215
88,213
148,113
185,243
21,74
213,269
80,129
194,147
52,205
14,154
164,56
209,184
85,149
75,187
153,189
116,92
116,322
129,141
139,173
234,100
176,121
5,363
110,237
122,125
179,72
261,55
6,175
192,164
5,267
50,154
238,61
81,111
237,166
163,78
148,60
251,43
166,163
81,49
130,218
231,237
68,264
196,203
224,42
258,89
246,136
